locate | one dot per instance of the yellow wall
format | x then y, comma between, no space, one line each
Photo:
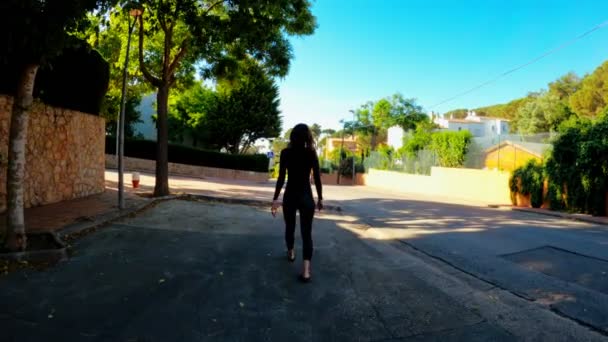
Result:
508,158
486,186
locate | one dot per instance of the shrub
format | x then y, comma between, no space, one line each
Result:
76,79
528,180
578,166
451,147
146,149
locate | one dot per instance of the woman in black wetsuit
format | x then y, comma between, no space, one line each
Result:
299,159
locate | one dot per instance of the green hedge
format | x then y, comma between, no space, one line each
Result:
146,149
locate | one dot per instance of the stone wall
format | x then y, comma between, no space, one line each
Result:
64,154
144,165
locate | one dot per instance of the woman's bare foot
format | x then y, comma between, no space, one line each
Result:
306,270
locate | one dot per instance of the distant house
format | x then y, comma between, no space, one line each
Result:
147,126
510,155
350,143
479,126
395,137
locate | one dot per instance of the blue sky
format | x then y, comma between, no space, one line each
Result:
433,49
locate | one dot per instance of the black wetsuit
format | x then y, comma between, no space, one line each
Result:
298,162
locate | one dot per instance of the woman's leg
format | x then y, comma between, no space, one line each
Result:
307,212
289,215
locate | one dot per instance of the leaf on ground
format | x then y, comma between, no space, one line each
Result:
161,280
221,273
242,304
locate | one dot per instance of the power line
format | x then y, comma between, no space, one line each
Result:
550,52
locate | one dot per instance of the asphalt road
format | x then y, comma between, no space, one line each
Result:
197,271
558,264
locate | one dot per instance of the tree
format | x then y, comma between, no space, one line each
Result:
565,86
32,31
592,96
544,114
316,130
216,34
188,112
108,35
405,113
372,119
243,115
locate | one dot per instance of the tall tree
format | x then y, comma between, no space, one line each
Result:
244,113
214,33
406,113
316,130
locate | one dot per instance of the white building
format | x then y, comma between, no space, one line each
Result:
395,137
479,126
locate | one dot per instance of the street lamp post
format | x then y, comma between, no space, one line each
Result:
341,152
134,12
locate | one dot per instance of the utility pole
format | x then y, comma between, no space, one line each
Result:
134,12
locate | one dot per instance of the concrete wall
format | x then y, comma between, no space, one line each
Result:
485,186
64,154
144,165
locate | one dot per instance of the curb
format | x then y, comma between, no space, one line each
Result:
250,202
73,231
573,217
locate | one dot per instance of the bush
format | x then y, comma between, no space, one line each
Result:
146,149
451,147
528,180
578,166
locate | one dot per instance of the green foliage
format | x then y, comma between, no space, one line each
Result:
592,97
565,86
419,140
372,119
529,180
108,35
543,114
244,114
75,79
34,31
188,112
451,147
146,149
235,116
578,166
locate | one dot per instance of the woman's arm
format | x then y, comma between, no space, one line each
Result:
281,180
317,176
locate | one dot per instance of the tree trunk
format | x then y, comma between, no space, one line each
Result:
15,219
161,187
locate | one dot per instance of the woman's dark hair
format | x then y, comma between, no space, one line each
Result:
301,137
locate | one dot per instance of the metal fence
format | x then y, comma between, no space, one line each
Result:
420,164
501,152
